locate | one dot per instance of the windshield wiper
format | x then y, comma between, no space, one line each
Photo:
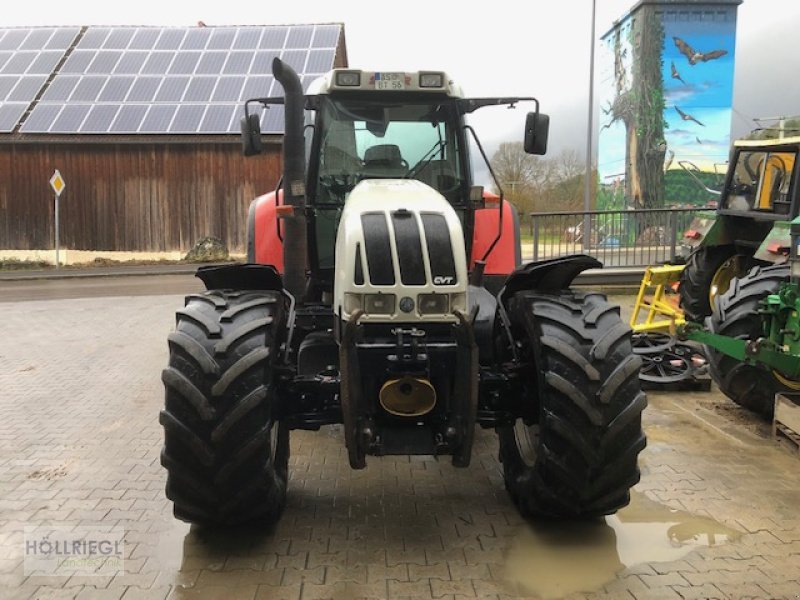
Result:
425,160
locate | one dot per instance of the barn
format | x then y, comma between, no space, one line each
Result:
143,125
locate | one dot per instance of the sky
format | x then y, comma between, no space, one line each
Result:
536,48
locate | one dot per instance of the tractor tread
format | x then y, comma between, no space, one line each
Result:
589,428
736,316
218,414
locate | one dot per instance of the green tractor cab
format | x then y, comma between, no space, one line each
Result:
750,227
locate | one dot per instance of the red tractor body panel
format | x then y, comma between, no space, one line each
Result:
505,257
268,246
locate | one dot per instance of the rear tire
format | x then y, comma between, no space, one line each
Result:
579,459
736,316
226,456
705,264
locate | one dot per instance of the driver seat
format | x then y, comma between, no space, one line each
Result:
384,160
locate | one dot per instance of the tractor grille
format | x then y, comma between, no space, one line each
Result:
408,242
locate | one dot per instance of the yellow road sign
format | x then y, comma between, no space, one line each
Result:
57,183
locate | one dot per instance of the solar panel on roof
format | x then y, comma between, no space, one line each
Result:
45,62
185,63
172,89
247,39
229,89
119,39
131,63
60,89
78,61
128,119
105,61
88,89
116,89
188,117
144,89
166,80
26,88
211,63
159,117
10,114
144,39
70,118
217,119
170,39
299,37
274,38
196,39
6,85
27,59
158,63
99,118
221,39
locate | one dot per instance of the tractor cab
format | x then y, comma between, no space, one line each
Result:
367,125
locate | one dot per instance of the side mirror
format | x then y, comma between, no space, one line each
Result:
537,126
251,135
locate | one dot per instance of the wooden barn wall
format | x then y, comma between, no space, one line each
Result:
146,197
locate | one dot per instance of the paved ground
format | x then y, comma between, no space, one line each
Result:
716,515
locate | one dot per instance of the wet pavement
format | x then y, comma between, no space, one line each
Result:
716,514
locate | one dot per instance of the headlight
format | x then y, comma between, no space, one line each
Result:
433,304
379,304
352,303
458,302
431,80
348,78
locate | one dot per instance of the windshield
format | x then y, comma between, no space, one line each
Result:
761,181
361,139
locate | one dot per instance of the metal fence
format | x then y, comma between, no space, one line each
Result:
618,238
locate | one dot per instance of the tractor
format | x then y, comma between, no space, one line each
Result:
739,257
753,337
384,294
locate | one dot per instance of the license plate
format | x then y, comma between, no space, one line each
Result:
390,81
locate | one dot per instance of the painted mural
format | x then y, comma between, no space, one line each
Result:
666,93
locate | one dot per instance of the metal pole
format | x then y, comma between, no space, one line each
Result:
587,193
57,240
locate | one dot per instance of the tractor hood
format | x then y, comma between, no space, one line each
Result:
399,254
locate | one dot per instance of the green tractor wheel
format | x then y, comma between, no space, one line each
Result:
707,275
736,315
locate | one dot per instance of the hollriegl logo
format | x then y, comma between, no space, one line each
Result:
70,550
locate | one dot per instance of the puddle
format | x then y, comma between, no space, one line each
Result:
554,560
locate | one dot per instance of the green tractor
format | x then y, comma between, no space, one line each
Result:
738,256
753,339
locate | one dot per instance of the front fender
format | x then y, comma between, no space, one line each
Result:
548,275
240,277
706,229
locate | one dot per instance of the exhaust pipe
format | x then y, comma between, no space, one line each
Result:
295,247
408,397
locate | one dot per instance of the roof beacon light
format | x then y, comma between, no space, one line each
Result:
431,80
348,78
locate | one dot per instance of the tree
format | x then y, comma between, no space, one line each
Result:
518,173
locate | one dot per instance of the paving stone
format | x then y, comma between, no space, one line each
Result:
404,527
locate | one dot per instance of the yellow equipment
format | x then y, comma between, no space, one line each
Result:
661,311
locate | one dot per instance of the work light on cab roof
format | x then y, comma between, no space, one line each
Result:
388,81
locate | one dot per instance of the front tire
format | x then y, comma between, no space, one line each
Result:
736,316
578,456
225,453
